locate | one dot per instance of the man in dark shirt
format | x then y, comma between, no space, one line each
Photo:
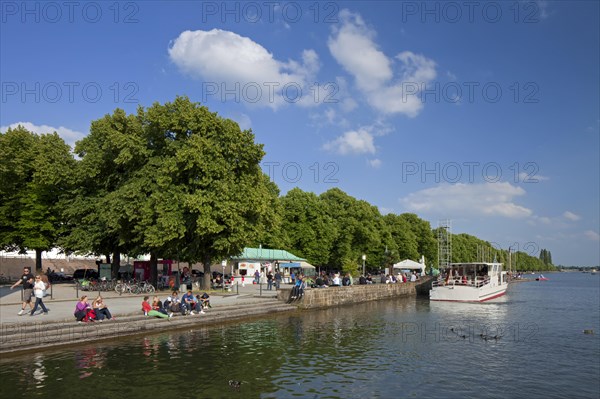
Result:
27,281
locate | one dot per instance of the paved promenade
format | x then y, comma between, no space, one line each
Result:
64,297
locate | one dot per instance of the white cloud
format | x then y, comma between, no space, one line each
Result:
592,235
385,211
531,178
352,142
457,200
375,163
544,219
571,216
223,59
242,119
542,10
69,136
353,46
360,141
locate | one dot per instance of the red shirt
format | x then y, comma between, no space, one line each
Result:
146,306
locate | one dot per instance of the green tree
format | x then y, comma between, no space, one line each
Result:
109,154
309,231
361,230
426,240
35,175
175,181
405,238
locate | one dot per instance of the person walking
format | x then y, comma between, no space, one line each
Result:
278,279
27,280
39,289
269,281
257,277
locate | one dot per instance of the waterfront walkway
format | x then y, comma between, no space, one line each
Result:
59,328
65,296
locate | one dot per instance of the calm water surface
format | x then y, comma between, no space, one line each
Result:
387,349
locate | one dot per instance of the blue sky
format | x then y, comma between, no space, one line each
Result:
484,113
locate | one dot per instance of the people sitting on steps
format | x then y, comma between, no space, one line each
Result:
148,311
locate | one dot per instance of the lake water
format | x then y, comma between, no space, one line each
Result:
388,349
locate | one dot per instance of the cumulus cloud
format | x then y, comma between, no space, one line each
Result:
456,200
571,216
360,141
68,135
231,61
352,142
390,85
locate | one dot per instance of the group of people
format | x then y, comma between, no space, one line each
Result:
33,287
188,304
96,311
400,278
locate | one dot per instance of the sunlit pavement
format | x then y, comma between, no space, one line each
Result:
61,300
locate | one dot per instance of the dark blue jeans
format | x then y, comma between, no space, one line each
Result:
102,313
39,302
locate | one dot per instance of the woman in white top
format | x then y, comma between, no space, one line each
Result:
336,280
39,289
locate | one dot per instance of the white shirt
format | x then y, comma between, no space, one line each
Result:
39,289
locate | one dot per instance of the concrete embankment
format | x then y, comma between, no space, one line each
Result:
336,296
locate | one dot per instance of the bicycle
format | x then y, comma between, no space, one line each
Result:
146,287
126,286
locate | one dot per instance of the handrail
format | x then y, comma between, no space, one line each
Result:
459,282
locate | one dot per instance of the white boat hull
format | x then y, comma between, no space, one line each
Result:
463,293
470,282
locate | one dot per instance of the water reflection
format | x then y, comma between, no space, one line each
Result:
39,371
88,359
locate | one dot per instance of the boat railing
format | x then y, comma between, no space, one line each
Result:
467,282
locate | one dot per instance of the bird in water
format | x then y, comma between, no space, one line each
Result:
235,384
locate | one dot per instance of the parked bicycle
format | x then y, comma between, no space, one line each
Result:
128,287
145,287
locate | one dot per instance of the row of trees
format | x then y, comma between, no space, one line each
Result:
177,181
173,180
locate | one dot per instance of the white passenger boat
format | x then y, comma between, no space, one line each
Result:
469,282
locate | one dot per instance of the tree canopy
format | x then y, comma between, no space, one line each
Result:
174,180
35,174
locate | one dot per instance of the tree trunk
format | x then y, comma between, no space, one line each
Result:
38,260
116,264
107,258
153,269
207,273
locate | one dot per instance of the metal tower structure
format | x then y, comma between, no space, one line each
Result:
444,244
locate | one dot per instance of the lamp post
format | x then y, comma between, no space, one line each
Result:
509,261
223,264
364,257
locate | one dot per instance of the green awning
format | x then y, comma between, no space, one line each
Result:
263,254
